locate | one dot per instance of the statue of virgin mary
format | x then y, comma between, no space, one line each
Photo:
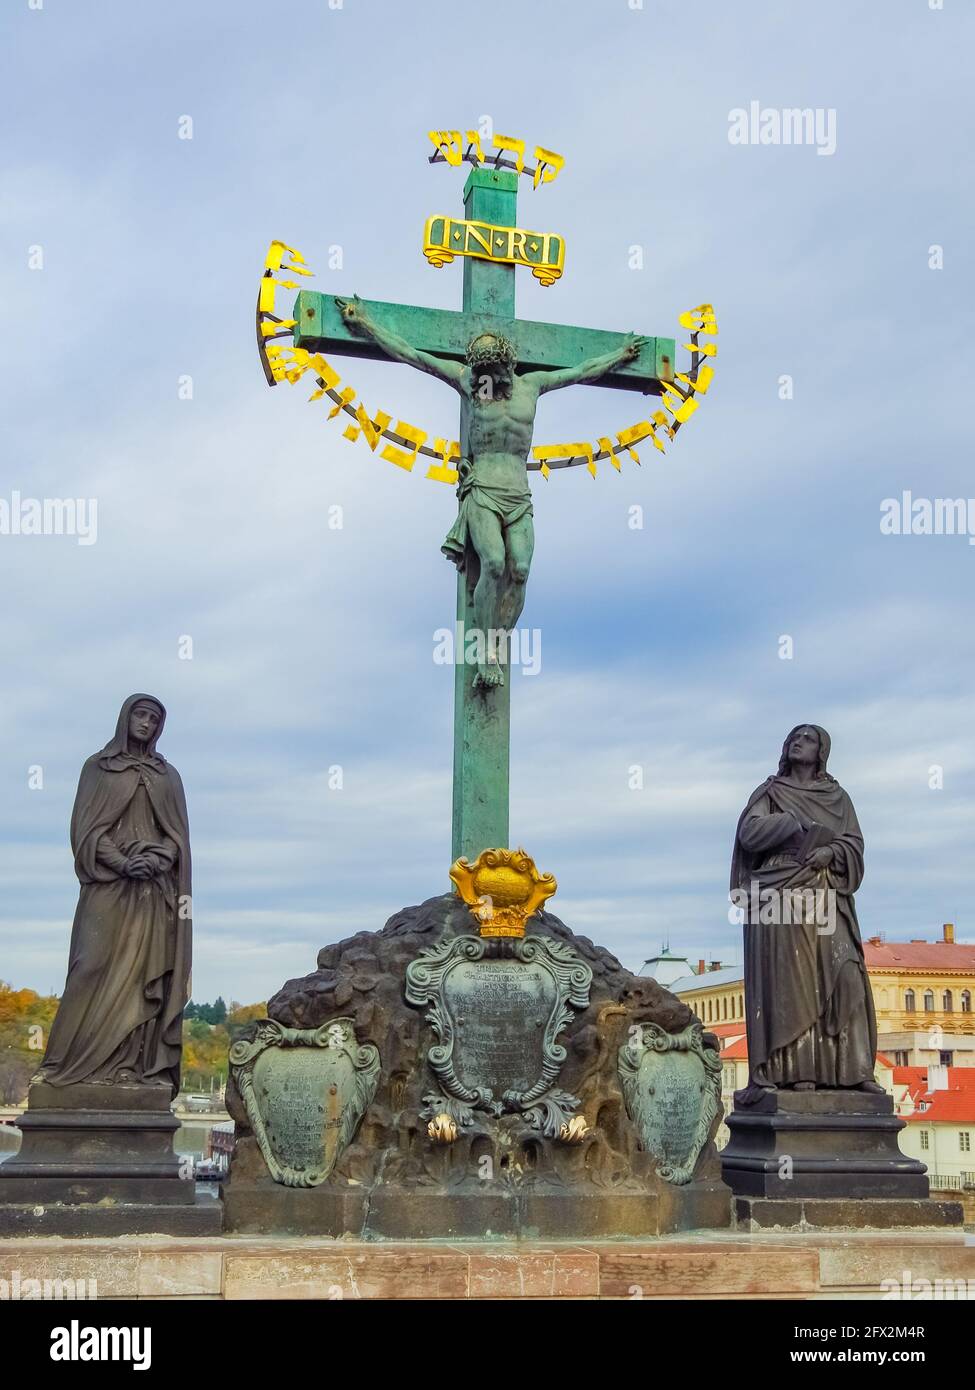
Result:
120,1016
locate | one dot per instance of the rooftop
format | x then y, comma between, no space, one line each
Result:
730,975
919,955
726,1030
956,1105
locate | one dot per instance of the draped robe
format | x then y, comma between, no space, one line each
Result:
808,1005
129,960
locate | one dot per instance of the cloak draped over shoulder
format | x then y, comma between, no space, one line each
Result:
808,1003
129,963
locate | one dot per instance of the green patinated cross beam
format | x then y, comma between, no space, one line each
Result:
481,715
446,333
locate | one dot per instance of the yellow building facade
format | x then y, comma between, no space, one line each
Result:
918,986
922,985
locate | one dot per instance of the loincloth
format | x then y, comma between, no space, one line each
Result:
509,505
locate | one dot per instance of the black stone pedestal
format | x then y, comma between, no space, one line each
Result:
826,1158
99,1160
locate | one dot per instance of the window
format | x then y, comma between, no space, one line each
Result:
741,1006
947,1003
946,1059
909,1000
966,1001
964,1141
929,1001
724,1007
924,1138
900,1059
710,1020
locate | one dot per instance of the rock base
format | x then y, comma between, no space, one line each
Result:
501,1176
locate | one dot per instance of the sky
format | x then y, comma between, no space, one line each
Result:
842,286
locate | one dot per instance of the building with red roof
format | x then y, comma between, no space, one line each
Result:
922,985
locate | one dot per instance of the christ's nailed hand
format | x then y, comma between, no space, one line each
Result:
633,346
352,311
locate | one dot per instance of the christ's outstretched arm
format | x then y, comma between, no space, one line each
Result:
356,317
590,370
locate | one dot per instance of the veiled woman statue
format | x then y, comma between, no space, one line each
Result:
120,1017
808,1006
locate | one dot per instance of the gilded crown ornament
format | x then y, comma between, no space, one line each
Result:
503,889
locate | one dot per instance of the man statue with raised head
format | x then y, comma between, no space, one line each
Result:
492,540
798,860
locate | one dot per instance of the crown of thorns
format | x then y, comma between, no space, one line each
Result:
489,347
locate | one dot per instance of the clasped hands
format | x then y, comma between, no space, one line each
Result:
140,866
146,863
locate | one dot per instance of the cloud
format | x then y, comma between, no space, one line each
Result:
312,646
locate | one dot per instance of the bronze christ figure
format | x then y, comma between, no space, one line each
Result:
492,540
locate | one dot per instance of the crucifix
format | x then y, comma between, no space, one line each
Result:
499,365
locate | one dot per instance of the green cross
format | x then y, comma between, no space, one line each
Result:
481,717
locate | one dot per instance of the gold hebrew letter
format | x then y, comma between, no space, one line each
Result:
327,376
442,472
449,144
633,435
346,397
507,142
401,457
543,452
606,447
372,429
549,158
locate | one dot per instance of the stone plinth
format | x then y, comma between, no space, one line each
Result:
826,1158
716,1264
99,1160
